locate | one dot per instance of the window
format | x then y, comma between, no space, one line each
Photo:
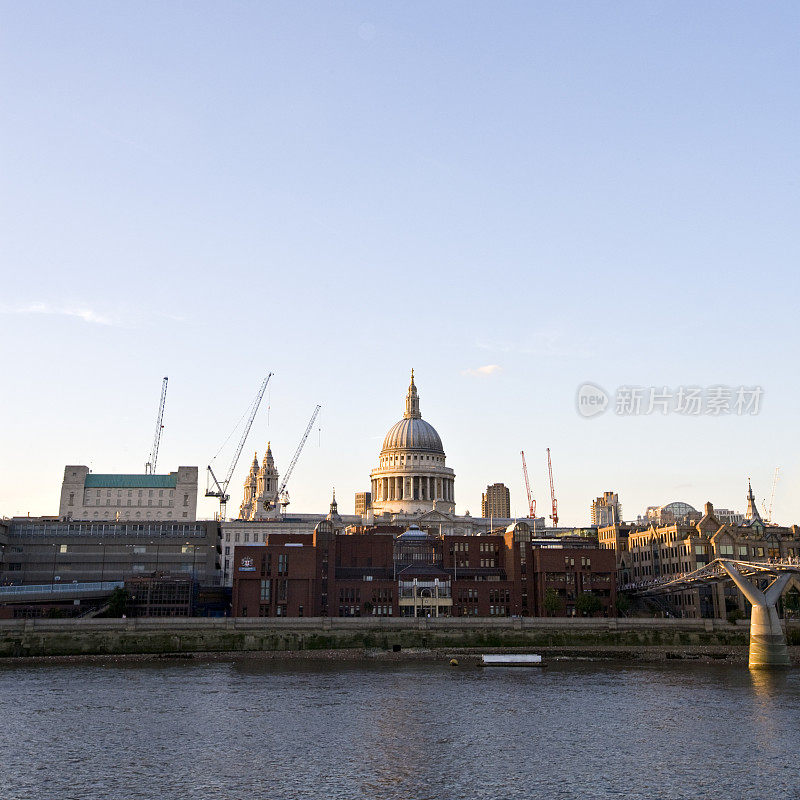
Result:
726,549
62,548
283,566
265,591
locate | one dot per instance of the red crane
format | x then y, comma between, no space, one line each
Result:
554,515
531,501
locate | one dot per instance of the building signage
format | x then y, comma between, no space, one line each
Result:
246,565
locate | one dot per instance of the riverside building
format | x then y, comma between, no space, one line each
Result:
653,553
416,572
89,496
46,550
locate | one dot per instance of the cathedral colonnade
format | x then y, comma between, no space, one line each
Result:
413,487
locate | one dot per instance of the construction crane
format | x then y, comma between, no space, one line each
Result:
220,489
150,466
531,500
775,479
554,515
282,494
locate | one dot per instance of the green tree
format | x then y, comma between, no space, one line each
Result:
552,603
624,604
587,604
791,601
735,614
117,602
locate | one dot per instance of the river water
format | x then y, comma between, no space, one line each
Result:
397,730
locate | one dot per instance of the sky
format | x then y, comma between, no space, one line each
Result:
512,198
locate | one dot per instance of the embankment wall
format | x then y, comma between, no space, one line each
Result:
62,637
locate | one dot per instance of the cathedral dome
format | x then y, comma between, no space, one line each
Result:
411,477
413,434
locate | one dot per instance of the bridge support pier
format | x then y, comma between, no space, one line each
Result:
767,639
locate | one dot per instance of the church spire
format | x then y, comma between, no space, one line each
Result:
752,509
333,514
412,401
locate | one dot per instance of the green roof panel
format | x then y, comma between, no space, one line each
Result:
96,481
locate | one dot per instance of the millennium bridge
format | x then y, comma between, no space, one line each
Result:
762,583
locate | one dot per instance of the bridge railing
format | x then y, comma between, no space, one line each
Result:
61,589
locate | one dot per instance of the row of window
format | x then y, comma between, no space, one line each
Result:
391,460
23,530
130,492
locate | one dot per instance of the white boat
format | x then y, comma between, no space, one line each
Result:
512,660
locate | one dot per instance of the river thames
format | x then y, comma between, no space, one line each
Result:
397,730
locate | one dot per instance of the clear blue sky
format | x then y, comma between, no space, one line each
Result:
337,192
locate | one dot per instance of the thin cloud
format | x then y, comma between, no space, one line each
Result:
483,372
541,343
86,314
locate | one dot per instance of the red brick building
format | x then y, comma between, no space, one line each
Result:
419,573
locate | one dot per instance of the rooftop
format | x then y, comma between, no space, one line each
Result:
97,481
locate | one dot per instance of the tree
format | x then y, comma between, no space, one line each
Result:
791,601
623,604
551,603
117,602
587,604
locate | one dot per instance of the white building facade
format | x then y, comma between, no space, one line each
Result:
86,495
